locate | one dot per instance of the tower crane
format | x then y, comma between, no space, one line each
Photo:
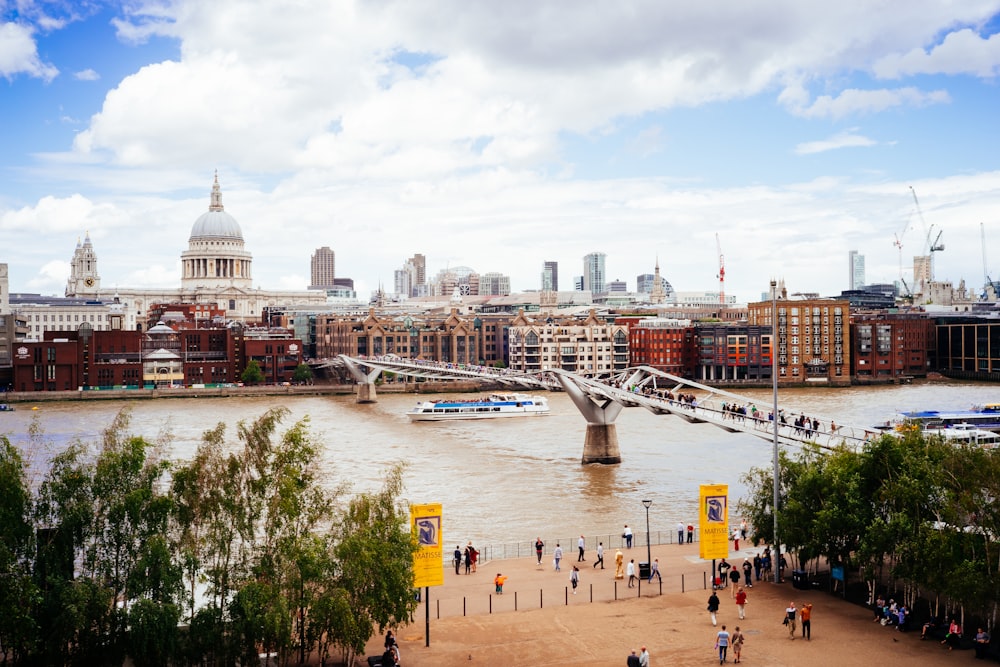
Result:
722,271
898,242
930,247
990,286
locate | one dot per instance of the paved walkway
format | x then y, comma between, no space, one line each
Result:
551,627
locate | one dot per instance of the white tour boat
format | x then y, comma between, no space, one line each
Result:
490,407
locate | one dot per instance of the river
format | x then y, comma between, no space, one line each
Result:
503,480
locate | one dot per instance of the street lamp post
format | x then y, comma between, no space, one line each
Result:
774,423
649,559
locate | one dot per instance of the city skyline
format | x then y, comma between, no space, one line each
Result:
641,132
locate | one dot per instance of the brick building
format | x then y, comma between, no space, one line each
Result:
813,338
890,347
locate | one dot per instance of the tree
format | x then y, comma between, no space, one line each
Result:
303,374
374,559
18,591
252,374
103,551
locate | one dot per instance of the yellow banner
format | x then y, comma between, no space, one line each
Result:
713,520
428,561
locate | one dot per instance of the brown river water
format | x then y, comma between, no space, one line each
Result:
503,480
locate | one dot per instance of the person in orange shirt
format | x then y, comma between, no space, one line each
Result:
805,615
499,581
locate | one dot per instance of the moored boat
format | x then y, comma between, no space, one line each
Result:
494,406
985,417
6,407
965,433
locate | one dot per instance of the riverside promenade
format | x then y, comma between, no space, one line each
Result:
554,627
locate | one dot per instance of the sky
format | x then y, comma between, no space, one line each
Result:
780,134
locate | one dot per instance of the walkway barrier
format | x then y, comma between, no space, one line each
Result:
526,549
526,600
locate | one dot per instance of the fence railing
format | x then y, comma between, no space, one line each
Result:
526,548
605,591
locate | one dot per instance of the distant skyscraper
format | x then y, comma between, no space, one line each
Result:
593,272
857,273
550,277
401,282
4,290
411,280
323,268
578,283
420,269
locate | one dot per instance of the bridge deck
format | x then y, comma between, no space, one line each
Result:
643,386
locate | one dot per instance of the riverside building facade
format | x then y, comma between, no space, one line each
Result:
587,347
813,338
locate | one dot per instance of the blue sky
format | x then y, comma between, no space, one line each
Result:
503,136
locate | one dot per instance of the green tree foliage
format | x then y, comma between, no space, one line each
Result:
244,549
17,587
374,554
252,374
303,374
918,513
104,518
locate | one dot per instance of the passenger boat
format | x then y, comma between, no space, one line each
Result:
965,433
489,407
985,417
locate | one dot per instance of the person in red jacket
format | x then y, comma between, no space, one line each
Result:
741,602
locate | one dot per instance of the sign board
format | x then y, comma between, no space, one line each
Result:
428,561
713,520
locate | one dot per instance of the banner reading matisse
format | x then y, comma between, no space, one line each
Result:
713,520
428,561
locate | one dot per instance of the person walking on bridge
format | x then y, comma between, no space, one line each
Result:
539,545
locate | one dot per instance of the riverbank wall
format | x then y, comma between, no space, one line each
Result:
320,389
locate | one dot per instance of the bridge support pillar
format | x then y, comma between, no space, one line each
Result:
601,444
366,381
366,393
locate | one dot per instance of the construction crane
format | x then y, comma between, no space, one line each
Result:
898,242
722,271
930,247
989,286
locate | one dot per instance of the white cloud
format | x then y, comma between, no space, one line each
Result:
846,139
323,136
53,214
87,75
19,53
271,90
961,52
51,276
853,102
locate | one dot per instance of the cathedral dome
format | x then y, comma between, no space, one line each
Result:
216,223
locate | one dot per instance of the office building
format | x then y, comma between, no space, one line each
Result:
550,277
857,270
813,338
494,284
593,273
323,269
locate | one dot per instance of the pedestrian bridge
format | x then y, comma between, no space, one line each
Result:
601,400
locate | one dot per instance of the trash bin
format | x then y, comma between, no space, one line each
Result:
644,570
800,580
